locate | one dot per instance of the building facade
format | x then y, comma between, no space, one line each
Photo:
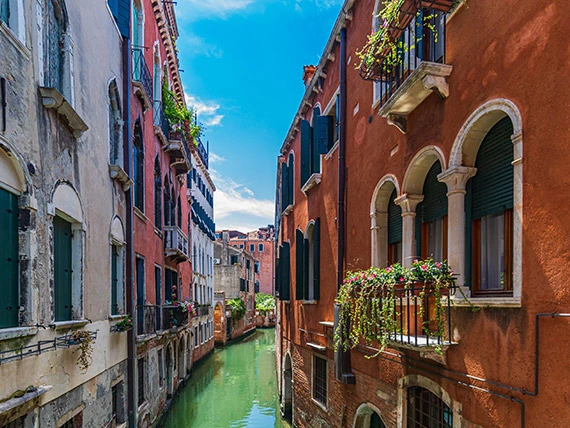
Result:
260,244
62,221
441,155
235,278
201,195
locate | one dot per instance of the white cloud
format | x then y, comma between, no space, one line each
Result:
207,111
216,159
236,206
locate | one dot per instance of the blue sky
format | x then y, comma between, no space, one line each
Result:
243,62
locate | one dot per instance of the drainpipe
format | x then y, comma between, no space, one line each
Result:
131,309
343,370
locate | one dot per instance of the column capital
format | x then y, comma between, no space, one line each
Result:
456,178
408,202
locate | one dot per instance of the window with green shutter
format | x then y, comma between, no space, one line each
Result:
9,289
5,11
394,230
316,260
114,280
138,155
299,265
285,266
306,143
62,258
489,212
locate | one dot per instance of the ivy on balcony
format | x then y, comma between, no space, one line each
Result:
180,117
381,51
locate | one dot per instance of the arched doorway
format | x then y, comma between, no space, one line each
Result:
287,394
368,416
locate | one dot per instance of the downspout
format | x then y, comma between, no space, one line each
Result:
131,345
343,370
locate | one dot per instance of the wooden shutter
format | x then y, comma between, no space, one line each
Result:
317,259
394,220
435,195
306,143
284,186
324,133
492,186
158,285
62,269
291,176
279,273
5,11
114,280
306,249
286,272
9,259
299,269
337,117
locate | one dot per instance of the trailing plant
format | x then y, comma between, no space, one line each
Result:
85,341
183,305
180,117
264,302
237,307
125,324
369,302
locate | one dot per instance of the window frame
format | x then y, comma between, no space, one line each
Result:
317,396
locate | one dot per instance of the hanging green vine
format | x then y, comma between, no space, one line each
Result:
370,309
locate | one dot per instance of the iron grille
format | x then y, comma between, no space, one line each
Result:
320,380
426,410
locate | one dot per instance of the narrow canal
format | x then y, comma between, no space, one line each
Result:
235,387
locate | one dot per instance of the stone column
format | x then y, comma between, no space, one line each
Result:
456,179
408,203
379,233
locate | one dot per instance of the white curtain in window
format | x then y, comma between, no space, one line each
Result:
492,252
435,239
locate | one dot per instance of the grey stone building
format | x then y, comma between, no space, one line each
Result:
62,211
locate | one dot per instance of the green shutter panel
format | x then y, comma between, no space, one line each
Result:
435,196
8,259
291,175
306,143
285,186
62,269
492,188
394,220
286,272
324,133
306,248
299,269
337,117
418,229
114,280
317,259
278,273
468,235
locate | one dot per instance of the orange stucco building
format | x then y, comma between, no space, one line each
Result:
456,153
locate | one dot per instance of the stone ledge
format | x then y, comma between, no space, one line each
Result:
486,302
119,174
16,332
62,325
52,98
16,407
313,180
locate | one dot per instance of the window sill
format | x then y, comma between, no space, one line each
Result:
118,173
287,210
62,325
313,180
487,302
332,150
16,332
18,44
316,346
52,98
118,317
318,403
24,404
309,302
140,214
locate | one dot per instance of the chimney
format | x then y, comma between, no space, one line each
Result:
308,73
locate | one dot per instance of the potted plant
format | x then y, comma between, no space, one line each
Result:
125,324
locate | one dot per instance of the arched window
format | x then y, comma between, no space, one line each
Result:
489,210
308,255
157,194
115,125
431,217
117,267
138,155
425,409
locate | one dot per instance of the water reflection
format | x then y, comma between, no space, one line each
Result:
236,387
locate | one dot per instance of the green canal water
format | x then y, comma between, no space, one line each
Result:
234,387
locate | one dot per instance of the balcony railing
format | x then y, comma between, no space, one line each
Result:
203,153
152,318
175,243
423,40
160,120
141,73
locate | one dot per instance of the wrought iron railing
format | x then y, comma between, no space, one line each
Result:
18,353
421,317
141,72
174,317
422,40
148,319
160,119
175,241
203,152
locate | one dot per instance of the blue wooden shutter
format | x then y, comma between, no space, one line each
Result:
286,272
394,220
5,11
114,280
492,186
9,259
299,269
306,143
62,269
324,133
317,259
120,11
337,117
